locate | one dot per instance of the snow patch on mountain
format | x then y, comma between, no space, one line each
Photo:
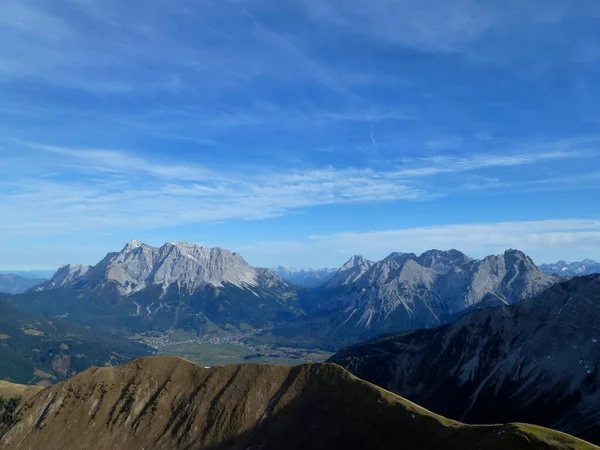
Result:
572,269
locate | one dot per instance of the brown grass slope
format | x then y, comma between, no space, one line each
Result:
10,390
170,403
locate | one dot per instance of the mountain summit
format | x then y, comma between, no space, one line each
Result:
353,269
139,266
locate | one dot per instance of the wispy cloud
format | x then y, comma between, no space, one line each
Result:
101,160
543,240
33,21
429,24
82,189
124,191
442,164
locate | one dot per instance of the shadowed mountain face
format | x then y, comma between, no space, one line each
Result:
406,292
169,403
38,350
535,361
15,284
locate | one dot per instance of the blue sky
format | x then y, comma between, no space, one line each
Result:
299,132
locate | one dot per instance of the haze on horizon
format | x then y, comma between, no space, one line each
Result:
299,133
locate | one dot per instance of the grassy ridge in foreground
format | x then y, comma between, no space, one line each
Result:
170,403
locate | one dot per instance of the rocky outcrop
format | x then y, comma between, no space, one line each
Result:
351,271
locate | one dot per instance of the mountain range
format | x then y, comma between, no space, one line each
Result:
15,284
406,292
169,403
36,274
184,286
497,340
536,361
572,269
304,277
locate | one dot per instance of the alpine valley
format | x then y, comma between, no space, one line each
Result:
203,290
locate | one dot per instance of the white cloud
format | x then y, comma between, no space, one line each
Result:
76,189
545,241
444,164
89,159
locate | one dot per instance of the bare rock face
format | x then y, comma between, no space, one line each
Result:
169,403
406,291
65,275
139,266
536,361
349,272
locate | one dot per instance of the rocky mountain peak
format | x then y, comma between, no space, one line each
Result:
131,245
516,254
441,260
138,266
353,269
355,261
399,258
403,291
185,264
66,274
